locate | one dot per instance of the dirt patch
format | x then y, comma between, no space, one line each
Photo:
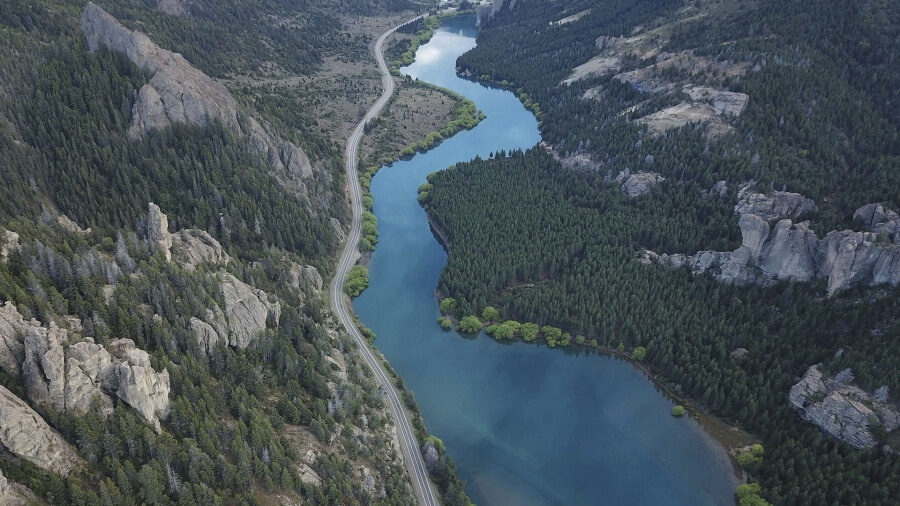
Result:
414,112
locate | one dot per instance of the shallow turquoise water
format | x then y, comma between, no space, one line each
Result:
525,425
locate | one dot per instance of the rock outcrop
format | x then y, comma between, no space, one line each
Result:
788,251
306,278
484,13
9,242
776,205
72,379
158,231
43,370
12,334
876,218
247,310
843,411
638,183
189,247
180,93
16,494
247,313
192,247
138,384
26,435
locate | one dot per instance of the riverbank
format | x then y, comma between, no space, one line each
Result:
731,438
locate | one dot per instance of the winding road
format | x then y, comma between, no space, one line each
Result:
408,445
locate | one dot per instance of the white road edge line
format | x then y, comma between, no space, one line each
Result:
408,445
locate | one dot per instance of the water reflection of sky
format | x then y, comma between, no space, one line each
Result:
525,425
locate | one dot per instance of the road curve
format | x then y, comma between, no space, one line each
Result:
408,445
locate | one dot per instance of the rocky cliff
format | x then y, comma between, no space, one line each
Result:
180,93
841,410
774,248
72,378
26,435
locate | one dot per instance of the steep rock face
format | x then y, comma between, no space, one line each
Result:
158,231
88,369
843,411
138,384
25,434
16,494
207,337
876,218
192,247
791,251
486,12
43,370
12,334
247,310
72,379
180,93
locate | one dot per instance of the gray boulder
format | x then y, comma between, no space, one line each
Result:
777,205
180,93
26,435
306,278
843,411
88,369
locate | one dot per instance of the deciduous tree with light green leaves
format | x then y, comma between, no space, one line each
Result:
470,324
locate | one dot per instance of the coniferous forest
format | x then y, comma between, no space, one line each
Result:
557,244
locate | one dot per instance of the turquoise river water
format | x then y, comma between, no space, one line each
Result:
525,424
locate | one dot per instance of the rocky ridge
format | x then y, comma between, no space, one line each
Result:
843,411
71,378
26,435
789,251
180,93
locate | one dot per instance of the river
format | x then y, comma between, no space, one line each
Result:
524,424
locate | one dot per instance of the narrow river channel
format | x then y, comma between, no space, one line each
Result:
525,424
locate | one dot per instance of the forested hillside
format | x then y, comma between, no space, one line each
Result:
697,99
183,354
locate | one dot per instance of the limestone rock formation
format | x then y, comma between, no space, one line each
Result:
158,231
843,411
638,183
72,379
88,369
247,310
778,204
12,334
70,226
43,370
138,384
192,247
207,337
9,242
791,251
25,434
877,219
180,93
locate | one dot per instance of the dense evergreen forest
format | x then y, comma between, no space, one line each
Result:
240,420
555,246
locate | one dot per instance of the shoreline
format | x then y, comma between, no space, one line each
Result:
727,436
